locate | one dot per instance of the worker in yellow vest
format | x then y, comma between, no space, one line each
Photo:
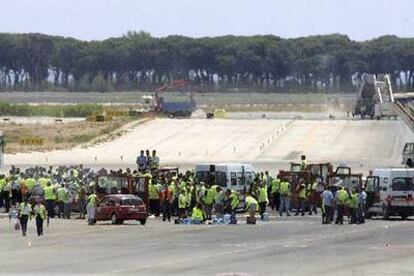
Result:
50,198
352,204
90,208
209,201
341,199
234,201
24,214
182,203
262,199
197,214
30,183
284,197
301,196
154,199
62,198
40,216
43,181
251,206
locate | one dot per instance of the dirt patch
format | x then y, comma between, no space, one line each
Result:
60,136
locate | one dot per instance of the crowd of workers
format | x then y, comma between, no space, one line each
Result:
184,196
45,193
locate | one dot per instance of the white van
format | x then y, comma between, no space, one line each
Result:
393,191
234,176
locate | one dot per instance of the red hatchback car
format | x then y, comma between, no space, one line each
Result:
120,207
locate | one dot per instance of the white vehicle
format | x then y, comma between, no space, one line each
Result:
393,193
234,176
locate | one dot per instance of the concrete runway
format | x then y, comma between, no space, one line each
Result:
263,142
283,246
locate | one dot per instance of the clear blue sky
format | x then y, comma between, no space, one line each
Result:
100,19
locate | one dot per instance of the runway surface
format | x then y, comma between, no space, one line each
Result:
263,142
283,246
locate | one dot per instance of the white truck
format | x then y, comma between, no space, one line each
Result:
234,176
393,191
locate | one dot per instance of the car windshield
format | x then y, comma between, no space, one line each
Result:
402,184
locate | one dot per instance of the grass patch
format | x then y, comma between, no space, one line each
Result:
25,110
79,139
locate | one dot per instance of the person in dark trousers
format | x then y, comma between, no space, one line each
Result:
327,205
341,199
301,195
24,213
40,215
6,196
166,197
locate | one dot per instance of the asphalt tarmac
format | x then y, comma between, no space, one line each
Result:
282,246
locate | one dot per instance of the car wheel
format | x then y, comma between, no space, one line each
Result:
404,216
143,221
114,219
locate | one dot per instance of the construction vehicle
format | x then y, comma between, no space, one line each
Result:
295,178
158,104
319,171
344,177
312,173
122,184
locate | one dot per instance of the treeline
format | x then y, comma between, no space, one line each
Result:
138,61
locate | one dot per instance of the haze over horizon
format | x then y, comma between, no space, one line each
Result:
101,19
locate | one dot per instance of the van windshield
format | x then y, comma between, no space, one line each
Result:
219,177
402,184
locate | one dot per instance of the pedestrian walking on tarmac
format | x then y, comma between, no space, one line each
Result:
40,216
90,208
50,198
24,213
